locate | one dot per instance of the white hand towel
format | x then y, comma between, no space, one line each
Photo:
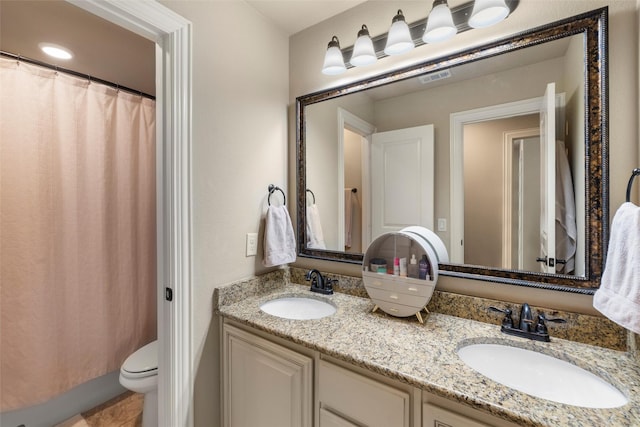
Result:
279,240
566,229
618,297
314,229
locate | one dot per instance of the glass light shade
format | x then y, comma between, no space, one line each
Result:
488,12
399,38
363,52
333,59
439,24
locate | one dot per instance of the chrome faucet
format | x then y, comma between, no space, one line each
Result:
320,284
525,327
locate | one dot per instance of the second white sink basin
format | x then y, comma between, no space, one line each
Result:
542,376
299,308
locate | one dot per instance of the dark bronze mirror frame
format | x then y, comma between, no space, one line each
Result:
593,25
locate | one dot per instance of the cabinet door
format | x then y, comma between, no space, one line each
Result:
264,384
434,416
361,399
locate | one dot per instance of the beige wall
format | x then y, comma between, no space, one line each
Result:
240,87
307,50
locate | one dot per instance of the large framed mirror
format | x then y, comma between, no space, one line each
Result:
501,149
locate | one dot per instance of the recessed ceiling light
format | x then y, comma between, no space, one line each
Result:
55,50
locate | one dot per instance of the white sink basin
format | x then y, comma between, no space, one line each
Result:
299,308
542,376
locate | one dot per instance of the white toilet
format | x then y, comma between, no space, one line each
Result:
139,373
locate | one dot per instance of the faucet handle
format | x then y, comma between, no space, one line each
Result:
507,322
541,327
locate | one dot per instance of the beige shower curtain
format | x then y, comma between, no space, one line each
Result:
77,231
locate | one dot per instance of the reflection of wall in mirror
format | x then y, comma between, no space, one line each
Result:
483,188
321,126
353,179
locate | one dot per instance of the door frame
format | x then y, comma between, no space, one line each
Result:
457,122
172,35
350,121
507,197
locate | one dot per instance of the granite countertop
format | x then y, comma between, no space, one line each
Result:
424,355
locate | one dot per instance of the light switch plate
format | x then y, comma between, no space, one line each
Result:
252,244
442,224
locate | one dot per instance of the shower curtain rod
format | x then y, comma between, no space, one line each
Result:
75,73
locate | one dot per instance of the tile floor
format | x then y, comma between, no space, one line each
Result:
122,411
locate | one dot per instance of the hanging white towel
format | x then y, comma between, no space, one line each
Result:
315,237
279,240
566,229
618,297
348,216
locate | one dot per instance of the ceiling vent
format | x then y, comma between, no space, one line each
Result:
432,77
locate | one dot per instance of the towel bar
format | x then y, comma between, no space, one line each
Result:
635,173
273,188
312,195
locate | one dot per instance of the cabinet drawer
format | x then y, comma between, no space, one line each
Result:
362,399
404,285
414,301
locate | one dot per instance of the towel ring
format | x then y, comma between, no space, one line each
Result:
273,188
312,195
635,173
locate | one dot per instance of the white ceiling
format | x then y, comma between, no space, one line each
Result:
111,53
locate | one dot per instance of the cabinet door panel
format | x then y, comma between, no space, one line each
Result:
265,384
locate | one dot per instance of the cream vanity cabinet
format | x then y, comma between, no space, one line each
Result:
270,382
264,383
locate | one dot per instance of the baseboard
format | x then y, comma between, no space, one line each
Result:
77,400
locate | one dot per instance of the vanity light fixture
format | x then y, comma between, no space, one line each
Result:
399,39
333,59
440,25
55,50
488,12
363,52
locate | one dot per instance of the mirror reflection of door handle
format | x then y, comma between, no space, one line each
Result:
551,262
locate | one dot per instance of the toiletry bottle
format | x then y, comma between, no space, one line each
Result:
423,268
413,267
403,267
396,266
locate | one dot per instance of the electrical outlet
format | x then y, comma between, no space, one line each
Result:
442,224
252,244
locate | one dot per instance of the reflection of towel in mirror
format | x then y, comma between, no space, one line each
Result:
279,240
348,216
618,297
566,229
315,238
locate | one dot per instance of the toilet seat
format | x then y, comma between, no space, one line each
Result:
142,363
